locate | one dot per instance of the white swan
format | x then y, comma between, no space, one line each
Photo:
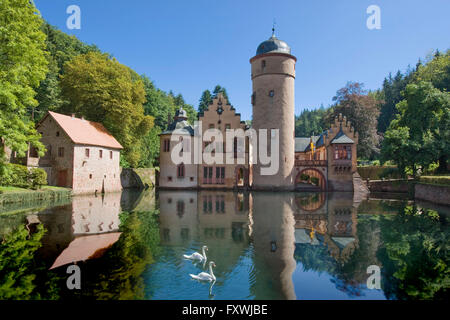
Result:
204,276
197,256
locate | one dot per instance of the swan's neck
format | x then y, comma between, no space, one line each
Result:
211,272
204,254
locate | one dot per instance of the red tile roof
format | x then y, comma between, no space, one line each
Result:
82,131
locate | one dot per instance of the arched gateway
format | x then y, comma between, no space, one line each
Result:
310,178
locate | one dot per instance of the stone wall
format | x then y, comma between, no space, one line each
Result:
403,186
93,172
141,178
433,193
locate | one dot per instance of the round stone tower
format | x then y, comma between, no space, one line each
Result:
273,77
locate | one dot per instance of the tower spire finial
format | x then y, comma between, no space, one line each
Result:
273,27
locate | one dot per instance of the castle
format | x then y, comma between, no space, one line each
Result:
326,162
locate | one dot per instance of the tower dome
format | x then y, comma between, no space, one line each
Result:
273,44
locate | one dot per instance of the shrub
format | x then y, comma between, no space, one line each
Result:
304,177
38,178
17,175
442,180
315,180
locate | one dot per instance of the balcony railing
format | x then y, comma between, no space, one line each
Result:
310,163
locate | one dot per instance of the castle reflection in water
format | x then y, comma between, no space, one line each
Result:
272,223
274,230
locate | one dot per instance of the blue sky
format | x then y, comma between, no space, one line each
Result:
190,46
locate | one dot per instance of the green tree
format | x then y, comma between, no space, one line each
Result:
23,65
61,48
205,100
103,90
419,134
391,94
362,110
219,89
311,122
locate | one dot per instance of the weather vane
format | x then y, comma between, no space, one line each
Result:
273,28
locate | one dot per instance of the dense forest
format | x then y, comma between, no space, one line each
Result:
406,121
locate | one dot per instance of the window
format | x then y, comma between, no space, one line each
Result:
100,154
263,65
220,175
271,93
227,126
180,171
180,208
57,133
61,152
110,154
166,145
90,176
342,152
211,125
253,98
169,178
86,152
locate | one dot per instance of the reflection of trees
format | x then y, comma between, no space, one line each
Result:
23,277
415,254
118,274
411,248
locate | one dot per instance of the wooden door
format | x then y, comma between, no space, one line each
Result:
62,178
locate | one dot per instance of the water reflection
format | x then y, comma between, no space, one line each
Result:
265,245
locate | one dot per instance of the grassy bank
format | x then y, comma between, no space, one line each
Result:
436,180
14,198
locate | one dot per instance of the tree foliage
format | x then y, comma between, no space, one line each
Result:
23,65
103,90
311,122
362,110
419,134
205,100
391,94
207,97
61,48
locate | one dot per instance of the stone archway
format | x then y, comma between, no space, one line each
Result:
311,178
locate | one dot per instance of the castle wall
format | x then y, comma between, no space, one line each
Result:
168,176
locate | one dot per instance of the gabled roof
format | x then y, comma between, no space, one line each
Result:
341,137
82,131
303,144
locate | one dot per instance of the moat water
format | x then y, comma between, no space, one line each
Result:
130,245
